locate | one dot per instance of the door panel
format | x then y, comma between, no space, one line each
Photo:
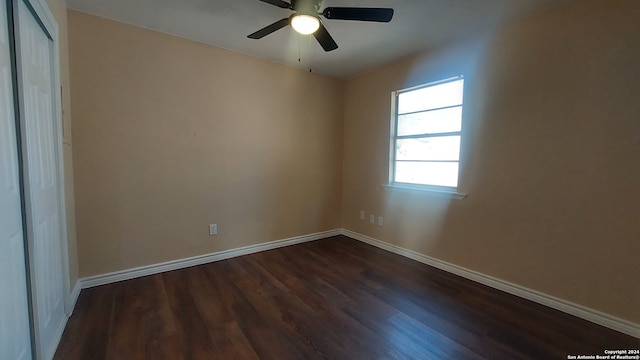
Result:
14,313
44,207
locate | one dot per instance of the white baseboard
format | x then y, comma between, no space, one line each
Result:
580,311
103,279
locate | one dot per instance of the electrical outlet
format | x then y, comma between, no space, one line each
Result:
213,229
380,221
361,214
372,218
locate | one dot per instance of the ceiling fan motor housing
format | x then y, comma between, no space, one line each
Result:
307,7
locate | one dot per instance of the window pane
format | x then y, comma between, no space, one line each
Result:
427,173
432,148
431,122
431,97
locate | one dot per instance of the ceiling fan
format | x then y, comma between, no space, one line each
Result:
306,19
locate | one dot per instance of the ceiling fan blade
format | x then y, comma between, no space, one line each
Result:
278,3
269,29
358,14
325,39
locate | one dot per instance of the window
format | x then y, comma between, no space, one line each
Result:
426,133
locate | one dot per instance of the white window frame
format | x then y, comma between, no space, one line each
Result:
437,190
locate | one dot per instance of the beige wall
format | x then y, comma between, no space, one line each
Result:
59,10
171,135
550,156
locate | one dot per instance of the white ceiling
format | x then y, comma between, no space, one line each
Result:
417,25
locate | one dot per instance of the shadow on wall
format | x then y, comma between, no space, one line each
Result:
302,192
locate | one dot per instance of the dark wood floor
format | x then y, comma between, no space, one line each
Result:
330,299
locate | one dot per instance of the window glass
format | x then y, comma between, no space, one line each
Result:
427,134
431,173
431,148
430,122
431,97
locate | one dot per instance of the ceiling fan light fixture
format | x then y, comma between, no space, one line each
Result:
305,24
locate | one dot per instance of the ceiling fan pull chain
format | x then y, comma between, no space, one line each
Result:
309,51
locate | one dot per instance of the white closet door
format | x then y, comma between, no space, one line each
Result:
42,178
14,312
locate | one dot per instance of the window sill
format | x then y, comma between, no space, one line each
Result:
452,194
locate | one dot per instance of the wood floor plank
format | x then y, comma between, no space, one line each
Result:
231,343
335,298
88,329
205,295
193,334
125,325
167,348
158,325
253,317
267,339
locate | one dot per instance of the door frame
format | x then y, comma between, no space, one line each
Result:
40,10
